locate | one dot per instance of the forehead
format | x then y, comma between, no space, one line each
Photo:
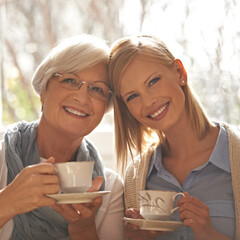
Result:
97,72
139,69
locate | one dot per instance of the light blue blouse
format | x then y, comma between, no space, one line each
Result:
211,183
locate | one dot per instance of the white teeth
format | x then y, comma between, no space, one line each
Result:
159,111
76,112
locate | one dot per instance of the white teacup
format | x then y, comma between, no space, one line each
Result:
74,177
157,205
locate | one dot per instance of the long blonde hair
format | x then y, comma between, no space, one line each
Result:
130,135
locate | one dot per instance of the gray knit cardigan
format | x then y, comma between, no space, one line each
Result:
136,174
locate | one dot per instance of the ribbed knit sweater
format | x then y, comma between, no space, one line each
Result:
136,174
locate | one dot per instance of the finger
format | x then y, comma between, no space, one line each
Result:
97,202
70,214
81,206
43,180
191,201
48,179
96,184
44,201
131,227
57,207
133,213
200,216
42,168
67,208
191,223
133,232
85,210
192,208
49,160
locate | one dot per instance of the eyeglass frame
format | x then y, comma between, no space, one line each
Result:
80,83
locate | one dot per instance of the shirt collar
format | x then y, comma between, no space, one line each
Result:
219,156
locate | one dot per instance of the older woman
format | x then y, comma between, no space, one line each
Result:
181,149
73,86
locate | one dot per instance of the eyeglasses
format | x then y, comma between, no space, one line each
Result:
97,90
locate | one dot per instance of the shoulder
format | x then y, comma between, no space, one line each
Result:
135,177
2,153
21,126
112,179
233,132
140,162
113,184
3,166
2,147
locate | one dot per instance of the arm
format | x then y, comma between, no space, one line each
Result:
109,219
195,214
27,191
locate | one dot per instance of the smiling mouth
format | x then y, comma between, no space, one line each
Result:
75,112
157,113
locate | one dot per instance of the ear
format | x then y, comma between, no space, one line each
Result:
182,79
42,100
42,97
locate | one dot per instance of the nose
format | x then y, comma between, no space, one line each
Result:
148,99
80,84
81,94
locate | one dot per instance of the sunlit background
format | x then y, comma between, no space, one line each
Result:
204,34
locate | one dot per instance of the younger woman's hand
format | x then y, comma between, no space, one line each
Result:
195,214
134,233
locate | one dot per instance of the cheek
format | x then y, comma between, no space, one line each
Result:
134,110
100,108
180,94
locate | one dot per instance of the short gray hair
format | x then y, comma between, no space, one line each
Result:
70,55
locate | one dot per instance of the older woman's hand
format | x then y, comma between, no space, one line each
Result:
28,190
133,232
81,216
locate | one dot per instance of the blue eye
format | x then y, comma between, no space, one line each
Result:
131,97
153,81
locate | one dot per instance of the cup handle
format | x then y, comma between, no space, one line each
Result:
173,198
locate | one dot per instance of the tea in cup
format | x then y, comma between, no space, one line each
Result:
157,205
74,177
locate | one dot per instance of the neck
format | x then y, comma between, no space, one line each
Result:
186,142
53,143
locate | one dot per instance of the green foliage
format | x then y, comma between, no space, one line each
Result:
17,105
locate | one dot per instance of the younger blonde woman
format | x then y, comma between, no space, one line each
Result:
192,154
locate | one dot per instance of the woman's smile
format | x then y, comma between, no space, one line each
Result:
75,112
159,113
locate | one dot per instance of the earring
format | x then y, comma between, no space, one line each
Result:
183,81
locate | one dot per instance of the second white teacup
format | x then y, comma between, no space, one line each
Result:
157,205
74,177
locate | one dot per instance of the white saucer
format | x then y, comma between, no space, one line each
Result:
154,224
68,198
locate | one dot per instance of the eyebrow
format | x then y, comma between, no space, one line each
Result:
126,95
149,77
101,81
